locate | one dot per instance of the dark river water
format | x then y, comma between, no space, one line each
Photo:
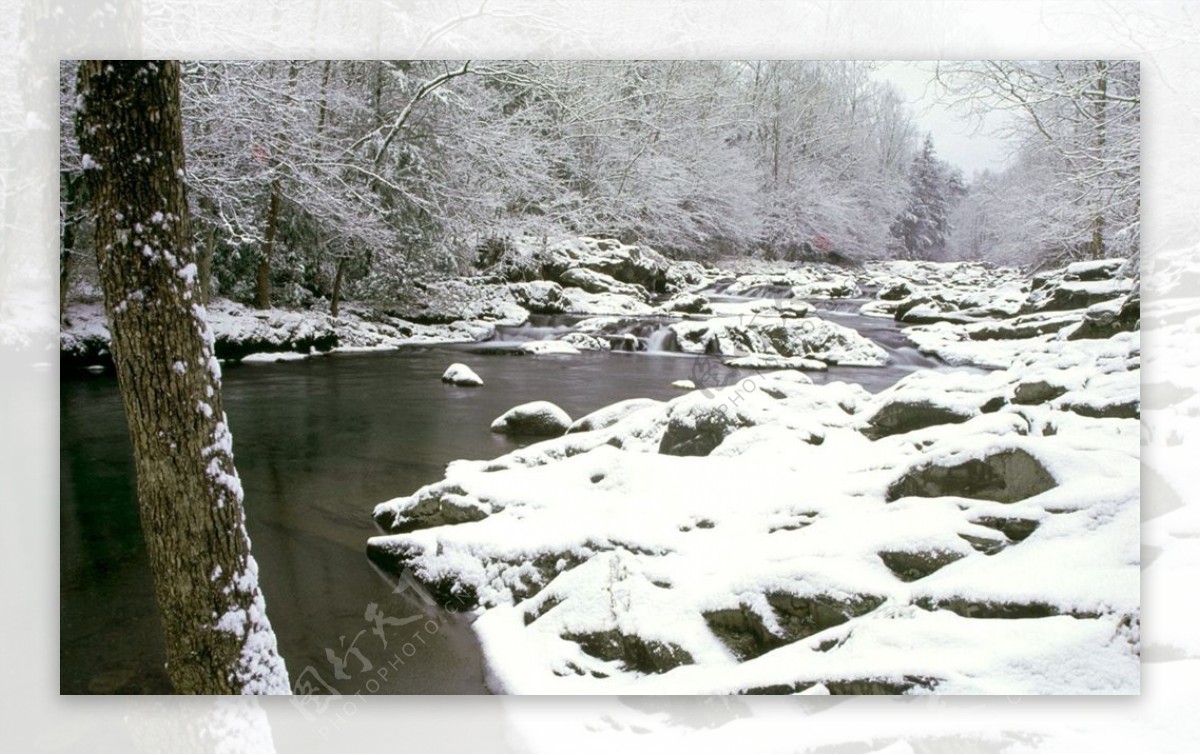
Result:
318,443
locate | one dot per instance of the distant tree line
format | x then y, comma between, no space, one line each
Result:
313,181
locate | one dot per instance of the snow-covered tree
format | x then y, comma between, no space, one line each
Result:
921,228
218,637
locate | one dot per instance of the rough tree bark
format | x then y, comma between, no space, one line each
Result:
263,286
218,638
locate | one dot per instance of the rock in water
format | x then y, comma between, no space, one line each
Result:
460,374
537,419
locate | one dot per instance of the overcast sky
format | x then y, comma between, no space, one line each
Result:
955,138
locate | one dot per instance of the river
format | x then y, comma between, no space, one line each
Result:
318,443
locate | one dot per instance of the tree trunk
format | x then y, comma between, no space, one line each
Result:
70,192
268,247
1101,113
335,298
218,638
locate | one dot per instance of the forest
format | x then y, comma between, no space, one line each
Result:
312,182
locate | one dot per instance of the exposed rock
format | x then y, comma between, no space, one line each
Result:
1052,294
639,265
696,304
1106,319
902,415
987,609
896,290
685,274
697,424
1037,391
1025,326
585,342
745,633
910,566
540,297
595,282
1014,528
432,506
537,418
460,374
1093,270
637,654
1006,476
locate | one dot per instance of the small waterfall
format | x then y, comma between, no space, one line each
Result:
662,339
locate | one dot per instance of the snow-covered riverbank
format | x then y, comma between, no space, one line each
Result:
956,533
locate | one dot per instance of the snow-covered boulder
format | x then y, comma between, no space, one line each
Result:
627,263
595,282
549,347
537,418
696,304
684,385
585,342
774,362
460,374
581,302
540,297
454,299
808,337
612,414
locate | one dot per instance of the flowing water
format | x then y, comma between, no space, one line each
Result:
318,443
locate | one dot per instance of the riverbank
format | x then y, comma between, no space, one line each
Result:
956,533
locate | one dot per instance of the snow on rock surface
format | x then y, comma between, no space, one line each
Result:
460,374
962,532
537,418
808,338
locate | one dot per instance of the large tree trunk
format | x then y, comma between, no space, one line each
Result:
218,638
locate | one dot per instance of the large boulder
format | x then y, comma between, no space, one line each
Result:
634,264
1005,475
540,297
612,414
808,337
595,282
903,415
536,419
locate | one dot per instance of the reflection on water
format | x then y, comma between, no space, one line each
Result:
318,443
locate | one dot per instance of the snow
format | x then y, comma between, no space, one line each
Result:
274,356
460,374
679,547
548,347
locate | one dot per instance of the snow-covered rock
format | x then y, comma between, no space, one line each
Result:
540,297
696,304
799,555
537,418
611,414
460,374
774,362
684,385
548,347
810,338
585,342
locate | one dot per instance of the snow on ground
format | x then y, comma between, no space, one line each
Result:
956,533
